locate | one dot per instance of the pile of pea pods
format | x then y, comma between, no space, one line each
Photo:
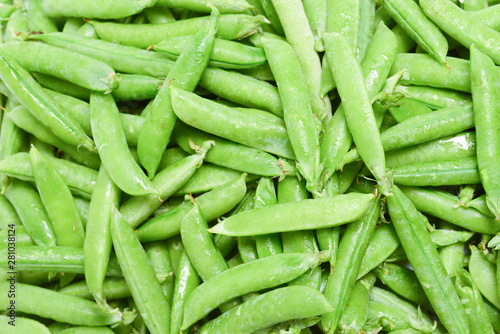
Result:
250,166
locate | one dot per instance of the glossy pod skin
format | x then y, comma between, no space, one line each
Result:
79,179
232,26
304,215
483,274
424,259
91,74
231,124
95,9
279,305
224,6
265,195
112,287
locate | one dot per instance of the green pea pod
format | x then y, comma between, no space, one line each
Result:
493,314
382,244
438,173
485,94
304,215
79,179
112,146
351,250
449,237
231,124
390,318
226,54
367,27
412,19
28,92
145,288
186,281
231,26
434,98
298,115
18,22
442,205
488,16
113,288
213,204
462,145
95,9
22,237
265,195
254,276
232,155
224,6
247,247
60,307
473,303
23,325
403,282
407,108
463,27
483,274
425,261
11,138
279,305
97,245
453,257
316,15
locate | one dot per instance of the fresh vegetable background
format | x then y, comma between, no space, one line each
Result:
250,166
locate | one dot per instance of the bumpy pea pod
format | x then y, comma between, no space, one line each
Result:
279,305
486,96
359,115
112,146
186,280
145,288
265,195
483,274
213,204
30,94
91,73
254,276
351,251
298,114
292,190
232,155
58,201
97,245
160,120
296,27
412,19
473,303
60,307
231,26
308,214
402,281
463,27
424,259
79,179
442,205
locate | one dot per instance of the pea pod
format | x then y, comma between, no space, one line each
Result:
425,261
265,195
483,274
113,288
24,325
95,9
434,98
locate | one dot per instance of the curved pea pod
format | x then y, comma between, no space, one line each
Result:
479,203
226,54
473,303
419,27
60,307
307,214
90,73
483,274
113,288
224,6
22,237
231,26
425,261
279,305
138,272
442,205
257,93
232,155
463,27
485,92
453,257
489,16
493,314
79,179
213,204
265,195
231,124
434,98
462,145
122,58
382,244
438,173
425,71
407,108
137,209
350,254
112,146
11,138
254,276
55,259
95,9
22,325
209,177
30,94
402,281
449,237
